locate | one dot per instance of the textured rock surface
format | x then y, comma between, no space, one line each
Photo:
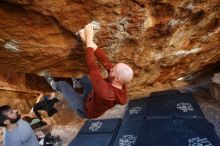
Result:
22,82
162,40
18,100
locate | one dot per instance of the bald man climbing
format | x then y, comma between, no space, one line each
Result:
99,94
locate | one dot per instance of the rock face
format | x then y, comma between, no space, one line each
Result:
162,40
18,100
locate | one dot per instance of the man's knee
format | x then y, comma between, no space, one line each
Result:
59,85
81,113
85,78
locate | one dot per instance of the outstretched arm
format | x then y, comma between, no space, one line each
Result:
94,71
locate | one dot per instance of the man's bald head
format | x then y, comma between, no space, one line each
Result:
123,72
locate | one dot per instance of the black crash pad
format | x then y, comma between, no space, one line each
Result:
167,132
103,139
181,132
101,126
165,104
129,133
136,110
97,133
173,105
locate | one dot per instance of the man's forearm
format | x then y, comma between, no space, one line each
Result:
90,59
103,59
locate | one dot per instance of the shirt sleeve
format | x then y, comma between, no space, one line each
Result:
103,59
98,82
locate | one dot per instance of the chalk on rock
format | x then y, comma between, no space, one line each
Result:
12,45
96,26
43,73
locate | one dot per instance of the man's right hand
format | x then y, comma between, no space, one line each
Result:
89,34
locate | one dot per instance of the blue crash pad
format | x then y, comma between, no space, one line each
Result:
97,133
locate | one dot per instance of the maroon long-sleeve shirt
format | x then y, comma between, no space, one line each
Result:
103,96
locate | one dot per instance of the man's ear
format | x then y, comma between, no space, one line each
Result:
118,79
6,122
